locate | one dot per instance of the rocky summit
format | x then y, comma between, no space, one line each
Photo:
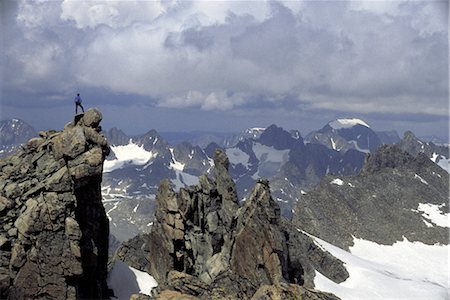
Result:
203,244
54,230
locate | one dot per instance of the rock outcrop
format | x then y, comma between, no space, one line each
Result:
54,230
204,245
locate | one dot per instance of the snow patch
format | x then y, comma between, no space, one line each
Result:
113,208
125,281
337,181
434,157
347,123
174,164
428,224
333,144
355,144
281,200
433,213
421,179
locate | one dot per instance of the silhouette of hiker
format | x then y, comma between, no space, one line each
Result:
78,103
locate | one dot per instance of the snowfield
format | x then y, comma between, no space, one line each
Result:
237,156
404,270
270,160
127,154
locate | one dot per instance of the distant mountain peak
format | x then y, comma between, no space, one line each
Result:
255,129
346,134
347,123
279,138
254,132
409,135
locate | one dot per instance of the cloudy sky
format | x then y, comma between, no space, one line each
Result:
225,66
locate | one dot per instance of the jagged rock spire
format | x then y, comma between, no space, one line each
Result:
225,184
260,251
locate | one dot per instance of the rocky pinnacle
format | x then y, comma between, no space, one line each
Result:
203,244
54,229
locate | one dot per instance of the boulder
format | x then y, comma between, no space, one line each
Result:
92,118
70,143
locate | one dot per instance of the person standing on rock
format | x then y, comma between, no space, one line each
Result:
78,103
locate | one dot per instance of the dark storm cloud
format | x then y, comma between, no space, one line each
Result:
375,59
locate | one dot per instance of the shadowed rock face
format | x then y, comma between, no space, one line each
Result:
54,230
203,244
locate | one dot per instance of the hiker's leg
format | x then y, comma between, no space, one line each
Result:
82,107
76,108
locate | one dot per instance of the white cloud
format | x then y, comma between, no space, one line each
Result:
116,14
218,100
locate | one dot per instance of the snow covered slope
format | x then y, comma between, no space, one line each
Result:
404,270
128,154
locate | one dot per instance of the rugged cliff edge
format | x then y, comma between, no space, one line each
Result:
204,245
54,230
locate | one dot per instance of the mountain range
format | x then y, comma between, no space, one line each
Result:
293,164
339,213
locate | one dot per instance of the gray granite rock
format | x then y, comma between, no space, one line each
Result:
54,233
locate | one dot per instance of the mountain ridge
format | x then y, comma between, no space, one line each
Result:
387,195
